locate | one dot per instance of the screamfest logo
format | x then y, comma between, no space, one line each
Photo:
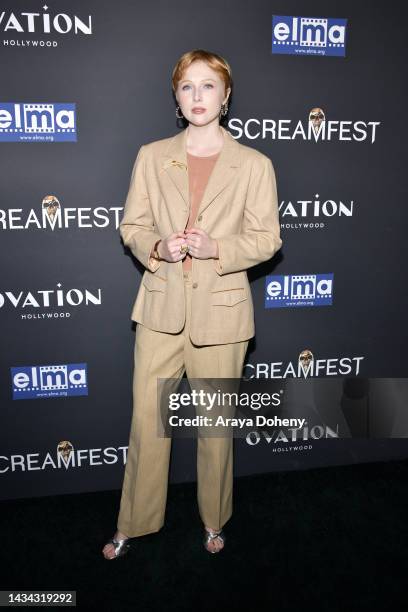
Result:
52,215
18,27
312,214
48,303
315,128
65,457
306,366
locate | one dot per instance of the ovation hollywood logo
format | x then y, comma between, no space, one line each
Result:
48,381
48,303
18,25
309,214
38,122
53,216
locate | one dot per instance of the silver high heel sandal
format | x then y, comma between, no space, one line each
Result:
121,547
211,535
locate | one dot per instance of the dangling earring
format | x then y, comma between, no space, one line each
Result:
224,109
177,115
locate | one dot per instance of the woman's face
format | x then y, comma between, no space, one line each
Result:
201,87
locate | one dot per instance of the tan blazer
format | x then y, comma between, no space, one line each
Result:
239,209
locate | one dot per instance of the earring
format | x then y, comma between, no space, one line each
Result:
177,115
224,109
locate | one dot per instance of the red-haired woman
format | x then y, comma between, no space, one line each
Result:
201,209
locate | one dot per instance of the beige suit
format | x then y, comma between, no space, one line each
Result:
198,322
239,209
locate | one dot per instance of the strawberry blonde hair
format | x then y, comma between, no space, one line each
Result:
214,61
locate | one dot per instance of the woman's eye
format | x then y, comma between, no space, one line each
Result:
206,85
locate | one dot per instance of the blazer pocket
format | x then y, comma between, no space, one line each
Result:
154,283
228,297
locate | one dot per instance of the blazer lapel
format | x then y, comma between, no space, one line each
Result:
174,163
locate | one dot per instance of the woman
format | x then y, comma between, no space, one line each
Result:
200,211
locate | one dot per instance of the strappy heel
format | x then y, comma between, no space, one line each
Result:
210,535
121,547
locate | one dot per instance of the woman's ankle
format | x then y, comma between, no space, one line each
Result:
212,530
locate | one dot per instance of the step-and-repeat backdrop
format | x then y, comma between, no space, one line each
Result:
318,88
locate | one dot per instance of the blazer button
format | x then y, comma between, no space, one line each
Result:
199,217
195,285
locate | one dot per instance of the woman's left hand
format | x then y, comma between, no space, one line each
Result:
201,245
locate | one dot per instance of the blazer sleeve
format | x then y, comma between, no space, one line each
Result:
137,226
260,237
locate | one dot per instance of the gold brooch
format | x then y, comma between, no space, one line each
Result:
174,162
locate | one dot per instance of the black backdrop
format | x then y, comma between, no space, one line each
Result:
115,81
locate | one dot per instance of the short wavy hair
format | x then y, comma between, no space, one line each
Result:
213,60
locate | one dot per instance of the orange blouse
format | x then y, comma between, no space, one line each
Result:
199,170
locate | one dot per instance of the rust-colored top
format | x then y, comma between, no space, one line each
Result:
199,170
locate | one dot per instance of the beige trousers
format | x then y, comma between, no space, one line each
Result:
144,491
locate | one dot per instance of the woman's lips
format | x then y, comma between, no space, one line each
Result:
198,110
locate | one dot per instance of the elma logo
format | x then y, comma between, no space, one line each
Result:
24,122
308,35
31,382
298,290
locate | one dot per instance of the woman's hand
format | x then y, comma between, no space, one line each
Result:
201,245
169,248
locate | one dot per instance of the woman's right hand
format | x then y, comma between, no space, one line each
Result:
169,248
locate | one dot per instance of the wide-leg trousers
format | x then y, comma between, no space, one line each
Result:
145,482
